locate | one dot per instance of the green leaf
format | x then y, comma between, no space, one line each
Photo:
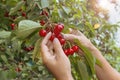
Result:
66,9
44,3
4,58
4,34
90,27
88,56
83,70
26,28
36,52
17,7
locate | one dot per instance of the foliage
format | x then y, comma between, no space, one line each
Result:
26,15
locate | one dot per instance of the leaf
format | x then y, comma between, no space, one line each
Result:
83,70
66,9
26,28
4,58
44,3
36,52
90,27
88,55
17,7
4,34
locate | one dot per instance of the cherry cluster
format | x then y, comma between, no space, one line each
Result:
56,33
29,48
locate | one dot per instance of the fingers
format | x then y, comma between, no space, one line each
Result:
44,47
57,47
70,36
46,39
75,32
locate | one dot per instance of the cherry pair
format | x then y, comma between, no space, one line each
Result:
29,48
70,51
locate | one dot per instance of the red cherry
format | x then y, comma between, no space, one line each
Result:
23,14
62,41
66,52
52,37
27,49
70,51
42,33
32,47
17,69
6,14
59,36
12,26
13,17
44,13
42,22
75,48
58,29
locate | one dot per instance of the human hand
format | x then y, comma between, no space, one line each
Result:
55,59
76,34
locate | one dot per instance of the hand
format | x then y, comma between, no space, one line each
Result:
55,59
75,34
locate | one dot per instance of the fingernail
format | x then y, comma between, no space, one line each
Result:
55,39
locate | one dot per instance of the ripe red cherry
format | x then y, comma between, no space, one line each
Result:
52,37
17,69
42,33
27,49
42,22
32,47
75,48
62,41
70,51
66,52
58,28
23,14
44,13
12,26
6,14
59,36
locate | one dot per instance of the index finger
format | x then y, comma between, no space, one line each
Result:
44,47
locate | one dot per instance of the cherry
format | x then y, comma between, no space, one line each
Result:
12,26
59,36
66,52
52,37
13,17
23,14
62,41
42,33
44,13
75,48
42,22
17,69
32,47
70,51
6,14
27,49
58,28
